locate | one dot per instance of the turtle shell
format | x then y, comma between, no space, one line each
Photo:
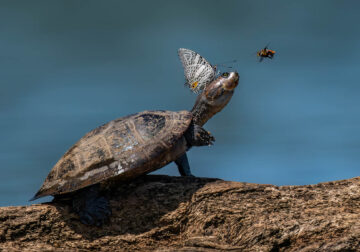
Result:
125,148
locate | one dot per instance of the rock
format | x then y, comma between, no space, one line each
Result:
161,213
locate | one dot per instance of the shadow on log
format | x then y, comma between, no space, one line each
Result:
161,213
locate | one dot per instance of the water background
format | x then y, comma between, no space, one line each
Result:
67,67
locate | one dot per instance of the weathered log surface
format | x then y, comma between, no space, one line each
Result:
164,213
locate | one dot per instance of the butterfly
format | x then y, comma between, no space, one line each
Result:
198,72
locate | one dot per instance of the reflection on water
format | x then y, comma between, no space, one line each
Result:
67,68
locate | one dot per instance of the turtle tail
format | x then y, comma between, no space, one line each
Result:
39,194
35,197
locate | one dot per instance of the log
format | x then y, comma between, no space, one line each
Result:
162,213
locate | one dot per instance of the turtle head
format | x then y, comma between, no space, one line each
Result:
214,97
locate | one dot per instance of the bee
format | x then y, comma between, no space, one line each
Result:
265,53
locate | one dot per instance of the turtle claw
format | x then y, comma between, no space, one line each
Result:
204,137
208,138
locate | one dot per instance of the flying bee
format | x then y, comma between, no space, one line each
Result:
265,53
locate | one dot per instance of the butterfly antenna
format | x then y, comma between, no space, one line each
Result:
227,62
223,64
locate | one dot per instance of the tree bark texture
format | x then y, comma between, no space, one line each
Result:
161,213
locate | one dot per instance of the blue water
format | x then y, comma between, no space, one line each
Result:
67,67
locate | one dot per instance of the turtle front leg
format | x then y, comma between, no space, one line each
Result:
92,208
198,136
183,165
195,136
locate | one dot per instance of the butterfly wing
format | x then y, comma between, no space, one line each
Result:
198,72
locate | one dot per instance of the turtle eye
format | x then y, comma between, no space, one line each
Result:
226,74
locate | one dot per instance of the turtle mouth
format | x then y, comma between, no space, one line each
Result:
232,81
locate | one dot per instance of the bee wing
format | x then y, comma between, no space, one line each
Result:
198,72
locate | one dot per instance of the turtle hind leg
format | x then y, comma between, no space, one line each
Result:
92,208
183,165
198,136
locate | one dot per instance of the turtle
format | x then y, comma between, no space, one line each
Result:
132,146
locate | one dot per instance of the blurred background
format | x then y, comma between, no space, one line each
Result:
69,66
